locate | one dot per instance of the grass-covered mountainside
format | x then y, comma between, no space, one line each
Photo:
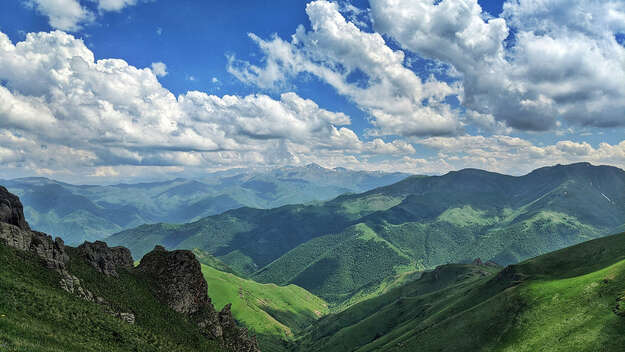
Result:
37,315
349,246
276,314
92,298
79,213
568,300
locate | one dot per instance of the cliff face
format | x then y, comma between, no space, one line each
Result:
11,210
15,232
177,275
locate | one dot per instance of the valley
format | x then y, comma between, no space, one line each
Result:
346,248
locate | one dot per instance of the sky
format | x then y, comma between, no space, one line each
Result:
108,90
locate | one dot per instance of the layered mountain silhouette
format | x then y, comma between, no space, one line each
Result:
88,212
348,249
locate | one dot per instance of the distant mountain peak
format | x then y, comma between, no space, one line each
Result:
315,166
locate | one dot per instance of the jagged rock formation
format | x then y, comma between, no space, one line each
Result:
106,259
179,276
15,232
11,210
479,262
181,285
234,337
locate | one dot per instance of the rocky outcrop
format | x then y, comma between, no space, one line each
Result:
478,262
490,263
511,276
105,259
180,284
51,252
11,210
71,284
16,233
234,337
179,276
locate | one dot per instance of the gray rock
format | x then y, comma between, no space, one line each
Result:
52,252
71,284
478,262
179,277
181,285
106,259
127,317
11,210
236,338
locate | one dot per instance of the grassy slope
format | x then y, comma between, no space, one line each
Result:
337,266
564,302
372,319
36,315
274,313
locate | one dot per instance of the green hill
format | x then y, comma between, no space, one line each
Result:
568,300
415,224
91,212
274,313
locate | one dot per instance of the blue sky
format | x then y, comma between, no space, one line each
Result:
416,86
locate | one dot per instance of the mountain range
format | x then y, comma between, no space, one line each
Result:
442,263
91,212
359,245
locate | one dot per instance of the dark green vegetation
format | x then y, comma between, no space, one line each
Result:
568,300
79,213
360,245
37,315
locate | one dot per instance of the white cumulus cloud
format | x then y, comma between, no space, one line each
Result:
336,51
61,109
543,61
159,69
72,15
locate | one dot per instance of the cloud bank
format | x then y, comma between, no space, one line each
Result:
488,88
